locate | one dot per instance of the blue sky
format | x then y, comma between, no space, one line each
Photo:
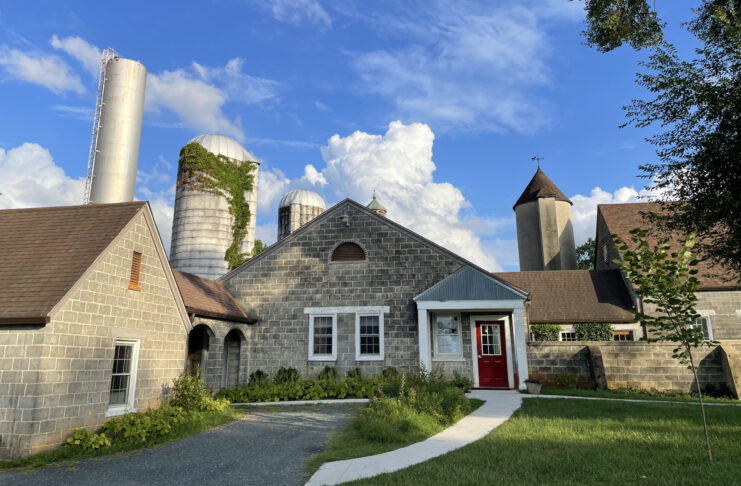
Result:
439,106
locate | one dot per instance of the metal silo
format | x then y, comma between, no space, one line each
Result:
117,130
202,224
296,209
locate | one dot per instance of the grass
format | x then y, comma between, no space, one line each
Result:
204,421
576,442
364,436
631,394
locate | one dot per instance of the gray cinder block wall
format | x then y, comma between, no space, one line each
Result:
212,365
298,274
56,378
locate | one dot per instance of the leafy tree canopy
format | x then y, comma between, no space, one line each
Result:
585,255
611,23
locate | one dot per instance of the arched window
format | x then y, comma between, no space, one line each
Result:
348,252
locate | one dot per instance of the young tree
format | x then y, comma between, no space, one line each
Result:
697,107
258,248
666,280
585,255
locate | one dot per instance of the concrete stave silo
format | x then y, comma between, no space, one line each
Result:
118,123
202,224
297,208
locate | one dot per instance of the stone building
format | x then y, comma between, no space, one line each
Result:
91,321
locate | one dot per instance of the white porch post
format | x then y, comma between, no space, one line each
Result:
520,345
425,359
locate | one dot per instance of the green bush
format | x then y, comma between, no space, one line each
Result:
142,427
286,375
189,393
389,373
302,390
259,377
354,373
593,331
565,380
545,332
328,373
87,441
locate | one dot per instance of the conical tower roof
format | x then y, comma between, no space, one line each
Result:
374,204
541,186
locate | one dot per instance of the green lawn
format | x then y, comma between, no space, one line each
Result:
353,440
631,394
575,442
203,421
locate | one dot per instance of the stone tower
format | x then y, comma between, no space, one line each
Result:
545,233
376,206
296,209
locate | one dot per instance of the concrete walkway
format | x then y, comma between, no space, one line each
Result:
634,400
499,407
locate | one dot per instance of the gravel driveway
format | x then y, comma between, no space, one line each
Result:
264,448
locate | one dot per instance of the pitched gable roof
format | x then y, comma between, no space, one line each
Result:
620,219
209,298
46,250
571,296
467,283
540,186
332,212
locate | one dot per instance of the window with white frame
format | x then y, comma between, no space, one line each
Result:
447,335
368,337
568,336
123,377
707,329
323,337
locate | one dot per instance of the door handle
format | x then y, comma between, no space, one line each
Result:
479,356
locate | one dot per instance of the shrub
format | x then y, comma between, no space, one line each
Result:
354,373
328,373
593,331
141,427
87,441
565,380
259,377
545,332
286,375
389,373
460,382
189,393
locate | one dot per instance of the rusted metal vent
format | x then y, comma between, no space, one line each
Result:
348,252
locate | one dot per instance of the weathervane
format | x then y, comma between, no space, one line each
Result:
538,159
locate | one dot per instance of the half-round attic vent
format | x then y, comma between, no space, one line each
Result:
348,252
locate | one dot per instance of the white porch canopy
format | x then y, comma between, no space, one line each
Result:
473,291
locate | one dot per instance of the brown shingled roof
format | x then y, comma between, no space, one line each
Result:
44,251
621,218
540,186
572,296
209,298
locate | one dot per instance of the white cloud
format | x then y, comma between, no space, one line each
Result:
271,186
296,11
45,70
399,166
29,178
76,112
163,211
77,47
584,210
475,66
198,95
267,233
314,177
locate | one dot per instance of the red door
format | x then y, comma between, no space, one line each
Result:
492,354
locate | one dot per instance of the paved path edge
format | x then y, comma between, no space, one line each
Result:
304,402
497,408
634,400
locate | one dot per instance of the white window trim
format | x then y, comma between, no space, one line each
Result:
115,410
322,357
706,315
369,357
561,333
447,356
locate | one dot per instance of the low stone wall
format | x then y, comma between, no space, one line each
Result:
637,365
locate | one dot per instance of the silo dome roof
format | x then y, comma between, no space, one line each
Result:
304,198
223,145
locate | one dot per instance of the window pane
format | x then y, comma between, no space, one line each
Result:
370,335
490,342
703,322
322,335
121,374
447,334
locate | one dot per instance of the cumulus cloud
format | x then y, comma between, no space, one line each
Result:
313,176
163,211
475,67
46,70
198,95
29,178
298,11
77,47
399,166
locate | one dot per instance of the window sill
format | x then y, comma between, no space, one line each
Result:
323,357
368,358
449,358
118,411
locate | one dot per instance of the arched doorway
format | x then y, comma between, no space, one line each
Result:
198,343
232,355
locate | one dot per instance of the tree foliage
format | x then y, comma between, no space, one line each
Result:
666,283
593,331
545,332
258,248
585,255
611,23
